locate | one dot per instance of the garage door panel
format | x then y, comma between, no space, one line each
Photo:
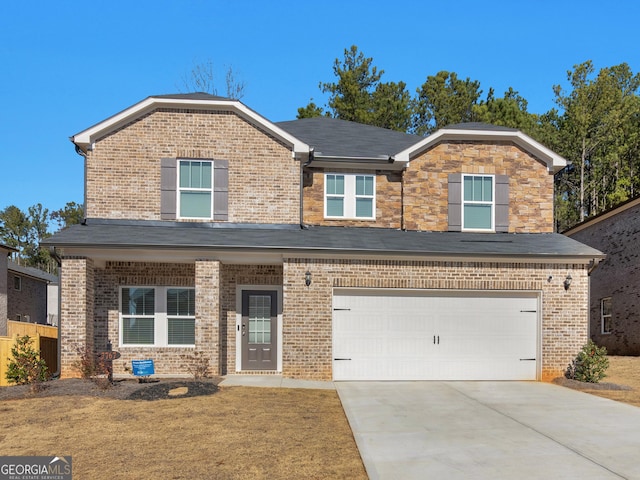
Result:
408,336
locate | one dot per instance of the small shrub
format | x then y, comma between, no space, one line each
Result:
92,367
590,364
197,365
26,367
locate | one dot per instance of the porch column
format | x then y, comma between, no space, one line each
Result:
208,312
76,321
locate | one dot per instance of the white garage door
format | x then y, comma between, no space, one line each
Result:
418,335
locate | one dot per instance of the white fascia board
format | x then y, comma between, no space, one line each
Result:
554,162
85,138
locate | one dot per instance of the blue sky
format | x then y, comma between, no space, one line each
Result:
66,65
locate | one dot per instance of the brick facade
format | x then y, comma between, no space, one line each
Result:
308,310
77,309
123,169
123,182
30,302
618,277
425,184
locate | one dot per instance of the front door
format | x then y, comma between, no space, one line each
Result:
259,330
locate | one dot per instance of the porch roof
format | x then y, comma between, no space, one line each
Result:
337,241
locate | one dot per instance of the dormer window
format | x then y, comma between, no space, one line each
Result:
350,196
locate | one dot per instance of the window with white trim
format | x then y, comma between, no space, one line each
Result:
478,202
350,196
157,316
195,189
605,315
17,283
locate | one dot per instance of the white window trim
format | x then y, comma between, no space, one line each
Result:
603,316
160,319
473,202
179,189
350,196
17,283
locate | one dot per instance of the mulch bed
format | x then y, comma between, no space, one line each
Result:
575,384
129,389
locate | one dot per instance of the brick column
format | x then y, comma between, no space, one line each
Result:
208,312
76,311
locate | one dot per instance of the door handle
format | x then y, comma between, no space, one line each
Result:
436,339
243,329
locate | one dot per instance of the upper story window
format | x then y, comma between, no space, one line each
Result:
195,189
17,283
478,202
605,315
349,196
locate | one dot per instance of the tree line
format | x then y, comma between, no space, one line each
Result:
596,125
25,230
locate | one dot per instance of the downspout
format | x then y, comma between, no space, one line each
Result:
56,257
83,154
302,167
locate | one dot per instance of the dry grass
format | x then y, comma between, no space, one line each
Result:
236,433
622,371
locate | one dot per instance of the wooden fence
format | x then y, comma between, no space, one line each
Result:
44,337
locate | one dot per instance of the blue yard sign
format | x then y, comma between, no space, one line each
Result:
142,368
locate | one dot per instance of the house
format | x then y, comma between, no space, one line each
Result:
32,295
5,251
318,248
615,284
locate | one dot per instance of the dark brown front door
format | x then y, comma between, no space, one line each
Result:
259,330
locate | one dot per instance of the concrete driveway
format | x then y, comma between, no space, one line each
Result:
490,430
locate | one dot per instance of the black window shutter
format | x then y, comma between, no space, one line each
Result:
168,184
221,190
455,202
502,203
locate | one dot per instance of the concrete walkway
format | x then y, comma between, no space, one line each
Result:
272,381
490,430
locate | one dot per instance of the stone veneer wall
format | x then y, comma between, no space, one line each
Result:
388,200
123,168
426,177
308,310
76,311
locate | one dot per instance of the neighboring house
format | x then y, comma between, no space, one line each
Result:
28,292
615,284
5,251
319,248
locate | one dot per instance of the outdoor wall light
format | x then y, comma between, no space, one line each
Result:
567,282
307,278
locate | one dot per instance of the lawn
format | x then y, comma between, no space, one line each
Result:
235,433
622,371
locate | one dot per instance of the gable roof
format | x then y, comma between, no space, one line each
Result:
332,138
484,132
589,222
31,272
196,101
